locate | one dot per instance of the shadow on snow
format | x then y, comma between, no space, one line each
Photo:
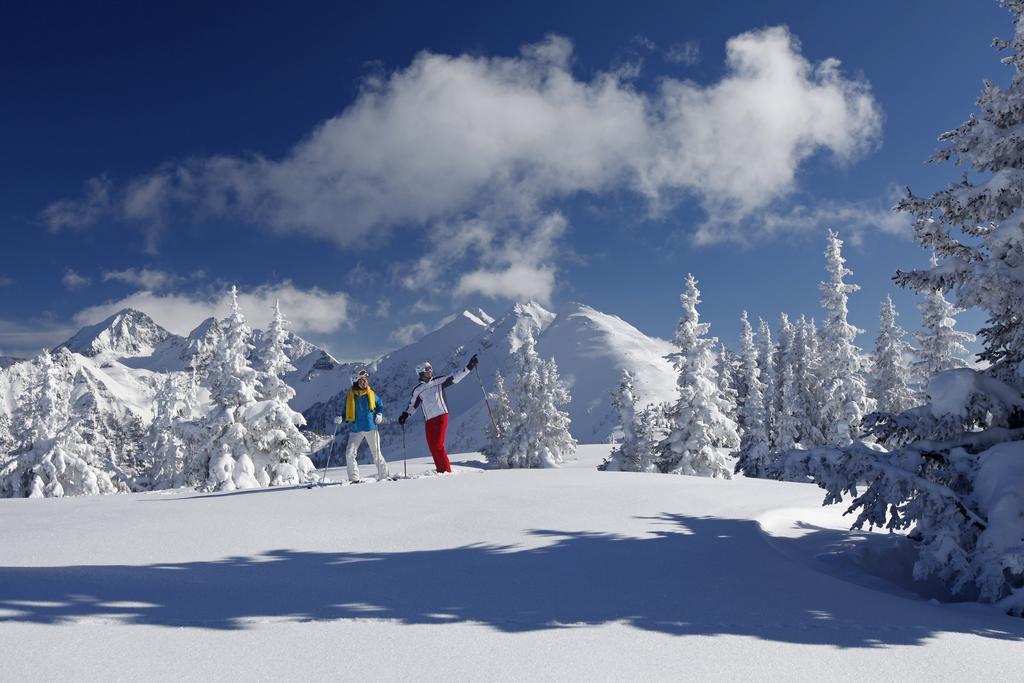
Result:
689,576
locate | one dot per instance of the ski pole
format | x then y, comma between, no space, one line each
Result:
487,403
330,452
405,455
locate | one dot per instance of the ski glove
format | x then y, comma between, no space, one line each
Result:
402,418
377,418
473,362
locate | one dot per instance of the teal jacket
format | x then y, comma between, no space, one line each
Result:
364,421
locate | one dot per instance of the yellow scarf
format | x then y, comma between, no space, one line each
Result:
350,402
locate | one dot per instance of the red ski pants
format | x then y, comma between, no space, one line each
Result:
436,428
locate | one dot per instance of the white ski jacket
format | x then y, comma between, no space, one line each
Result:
430,395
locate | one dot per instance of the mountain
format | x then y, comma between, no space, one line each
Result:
8,361
126,333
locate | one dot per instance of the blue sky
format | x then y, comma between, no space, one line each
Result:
379,168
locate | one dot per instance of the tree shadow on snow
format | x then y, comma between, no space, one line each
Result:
687,576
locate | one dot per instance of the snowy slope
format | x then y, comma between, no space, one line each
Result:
567,574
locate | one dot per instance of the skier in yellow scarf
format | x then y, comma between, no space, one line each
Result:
363,412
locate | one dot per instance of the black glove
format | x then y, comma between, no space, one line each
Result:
402,418
473,362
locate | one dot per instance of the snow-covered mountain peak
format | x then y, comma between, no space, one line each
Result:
126,333
522,318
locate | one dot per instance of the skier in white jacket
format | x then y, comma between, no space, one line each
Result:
429,395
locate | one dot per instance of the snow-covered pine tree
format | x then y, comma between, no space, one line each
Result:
727,387
233,385
166,452
56,460
799,416
954,473
940,346
635,451
280,451
538,432
557,443
701,435
754,453
780,362
497,448
890,377
766,371
845,392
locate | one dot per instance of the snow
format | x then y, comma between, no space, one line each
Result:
564,573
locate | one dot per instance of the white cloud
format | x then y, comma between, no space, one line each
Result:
500,140
146,278
687,53
73,280
424,306
23,340
854,219
407,334
522,267
308,311
383,309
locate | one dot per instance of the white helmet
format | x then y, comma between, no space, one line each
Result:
362,374
423,367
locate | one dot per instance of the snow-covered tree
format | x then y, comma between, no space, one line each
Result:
255,440
271,359
165,450
538,432
702,435
282,452
233,385
57,459
754,454
798,421
766,371
780,362
728,389
845,392
498,434
953,474
890,377
635,451
557,442
939,346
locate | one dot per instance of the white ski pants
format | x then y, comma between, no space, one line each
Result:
372,439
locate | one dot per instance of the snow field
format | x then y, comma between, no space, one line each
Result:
554,574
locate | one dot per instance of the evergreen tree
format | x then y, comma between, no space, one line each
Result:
845,393
890,379
280,450
940,346
57,459
780,362
499,433
557,443
635,452
953,473
165,449
233,385
727,386
701,433
766,372
538,433
754,452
